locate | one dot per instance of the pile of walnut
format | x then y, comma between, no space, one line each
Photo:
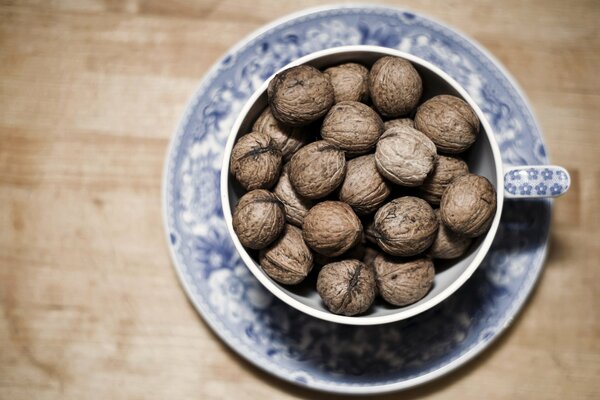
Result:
313,200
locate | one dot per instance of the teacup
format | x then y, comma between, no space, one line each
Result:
483,158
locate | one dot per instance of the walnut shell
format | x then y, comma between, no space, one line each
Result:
449,122
395,86
255,161
287,139
392,123
331,228
405,156
448,244
370,255
403,281
300,95
405,226
295,205
444,171
350,82
317,169
347,287
364,189
258,219
352,126
468,205
288,260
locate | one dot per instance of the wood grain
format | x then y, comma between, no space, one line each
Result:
90,92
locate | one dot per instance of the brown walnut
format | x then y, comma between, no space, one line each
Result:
448,244
287,139
350,82
295,205
449,122
395,86
300,95
317,169
392,123
403,281
405,156
255,161
404,227
331,228
364,189
352,126
288,260
468,205
445,170
347,287
258,219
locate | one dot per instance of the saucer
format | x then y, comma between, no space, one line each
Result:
291,345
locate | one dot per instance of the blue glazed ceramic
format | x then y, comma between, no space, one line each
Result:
312,352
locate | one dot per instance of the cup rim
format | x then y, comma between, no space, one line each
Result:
401,313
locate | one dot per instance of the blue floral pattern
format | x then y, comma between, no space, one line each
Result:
312,352
536,181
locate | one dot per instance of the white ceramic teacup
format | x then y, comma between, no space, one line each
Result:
483,158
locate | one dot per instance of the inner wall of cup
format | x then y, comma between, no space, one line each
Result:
479,158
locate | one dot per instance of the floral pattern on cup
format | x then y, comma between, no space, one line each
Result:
536,181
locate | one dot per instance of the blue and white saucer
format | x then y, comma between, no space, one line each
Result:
311,352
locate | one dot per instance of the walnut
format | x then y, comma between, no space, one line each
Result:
347,287
287,139
295,205
331,228
395,86
317,169
405,156
258,219
448,244
352,126
403,281
300,95
288,260
364,189
350,82
449,122
392,123
369,256
255,161
444,171
404,227
468,205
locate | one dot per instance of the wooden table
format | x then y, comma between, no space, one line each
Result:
90,93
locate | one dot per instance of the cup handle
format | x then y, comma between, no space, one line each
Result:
535,181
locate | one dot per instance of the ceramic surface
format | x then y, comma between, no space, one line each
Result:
302,349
